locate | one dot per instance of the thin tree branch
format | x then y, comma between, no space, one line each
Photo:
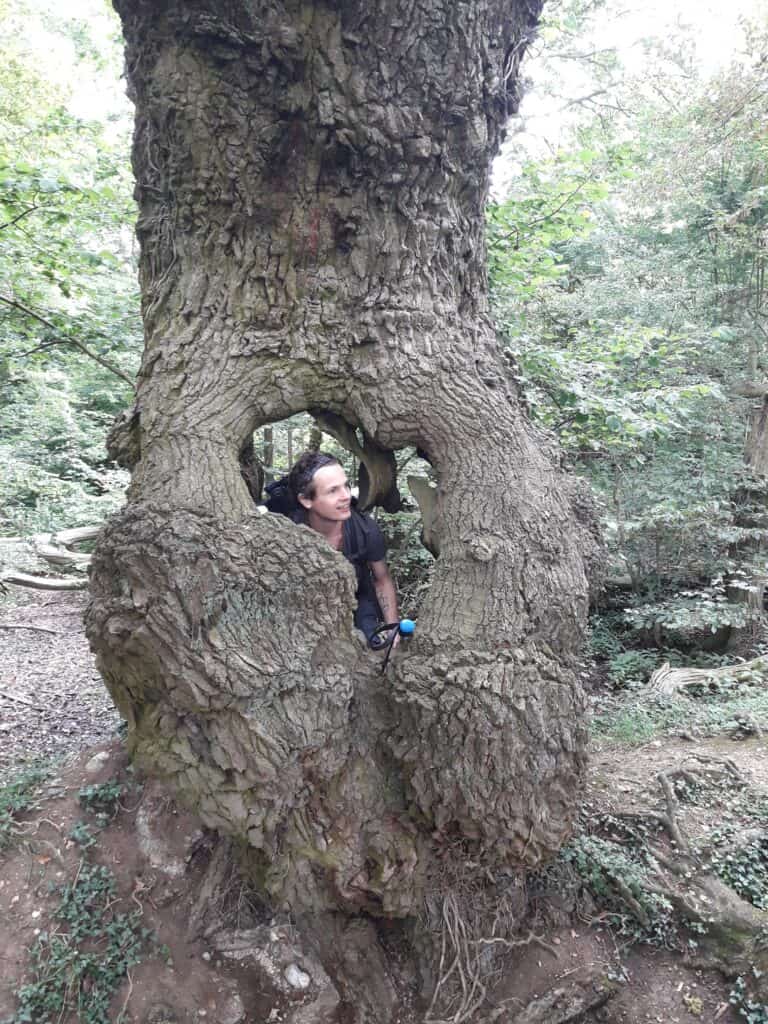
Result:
68,340
15,220
23,625
21,700
518,231
566,199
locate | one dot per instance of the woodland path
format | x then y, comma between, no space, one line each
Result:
52,700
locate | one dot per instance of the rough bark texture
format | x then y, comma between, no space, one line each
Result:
311,180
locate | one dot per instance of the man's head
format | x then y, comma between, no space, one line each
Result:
321,487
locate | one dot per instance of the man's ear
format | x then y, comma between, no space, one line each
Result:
305,502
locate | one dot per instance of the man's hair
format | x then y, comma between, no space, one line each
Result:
301,476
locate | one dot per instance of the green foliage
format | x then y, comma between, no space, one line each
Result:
78,967
744,868
101,798
704,610
631,667
52,448
82,834
709,713
751,1010
754,806
67,271
548,207
633,726
409,561
17,795
627,279
616,877
604,636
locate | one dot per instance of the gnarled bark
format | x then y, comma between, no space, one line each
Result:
311,180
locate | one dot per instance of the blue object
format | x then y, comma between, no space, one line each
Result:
405,627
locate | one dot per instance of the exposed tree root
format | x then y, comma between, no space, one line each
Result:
225,897
459,956
564,1002
729,931
475,927
55,549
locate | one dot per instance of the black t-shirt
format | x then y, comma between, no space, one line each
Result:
362,542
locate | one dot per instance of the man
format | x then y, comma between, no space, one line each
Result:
324,502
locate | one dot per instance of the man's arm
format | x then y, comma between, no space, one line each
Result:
385,590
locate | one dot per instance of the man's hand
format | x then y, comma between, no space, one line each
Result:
380,641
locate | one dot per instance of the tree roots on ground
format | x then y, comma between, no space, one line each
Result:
655,876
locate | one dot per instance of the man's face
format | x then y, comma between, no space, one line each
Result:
332,500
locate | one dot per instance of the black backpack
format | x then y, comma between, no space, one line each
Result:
280,498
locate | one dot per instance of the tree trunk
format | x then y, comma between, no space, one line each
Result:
251,470
750,504
315,442
311,180
268,454
756,453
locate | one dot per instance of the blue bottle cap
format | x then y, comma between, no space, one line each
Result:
407,626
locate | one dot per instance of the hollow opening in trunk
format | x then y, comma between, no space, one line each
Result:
398,489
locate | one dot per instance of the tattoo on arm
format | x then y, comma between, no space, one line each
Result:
386,594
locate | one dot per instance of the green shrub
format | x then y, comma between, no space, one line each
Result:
412,566
752,1011
611,872
604,642
744,868
631,666
18,795
79,965
101,798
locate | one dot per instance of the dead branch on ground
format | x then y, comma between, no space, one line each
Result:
667,681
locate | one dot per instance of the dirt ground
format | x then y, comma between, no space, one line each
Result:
176,984
52,704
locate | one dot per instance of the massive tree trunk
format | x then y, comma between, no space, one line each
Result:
311,180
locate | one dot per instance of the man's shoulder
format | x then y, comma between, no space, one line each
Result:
369,540
365,521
